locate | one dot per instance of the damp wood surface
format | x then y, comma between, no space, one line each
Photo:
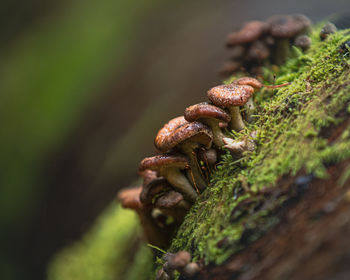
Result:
282,212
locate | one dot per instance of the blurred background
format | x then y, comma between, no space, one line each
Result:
84,88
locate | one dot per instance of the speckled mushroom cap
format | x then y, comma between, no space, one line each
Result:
229,95
178,130
130,198
205,110
287,26
248,33
163,161
156,186
169,200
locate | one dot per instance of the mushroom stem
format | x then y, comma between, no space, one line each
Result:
249,109
217,133
282,50
189,150
236,118
179,182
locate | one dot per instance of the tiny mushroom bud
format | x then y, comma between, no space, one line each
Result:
187,137
328,29
303,41
173,204
248,33
178,260
170,167
211,116
191,269
285,27
231,97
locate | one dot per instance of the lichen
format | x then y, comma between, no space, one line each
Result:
290,124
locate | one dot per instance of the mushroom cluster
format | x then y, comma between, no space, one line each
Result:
189,147
259,42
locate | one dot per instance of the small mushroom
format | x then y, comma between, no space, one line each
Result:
178,260
130,198
173,204
328,28
152,189
231,96
250,32
237,148
191,269
303,41
170,166
258,51
209,115
187,137
283,28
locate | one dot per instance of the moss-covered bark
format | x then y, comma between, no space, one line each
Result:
295,139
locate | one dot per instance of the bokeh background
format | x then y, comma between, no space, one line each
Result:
84,87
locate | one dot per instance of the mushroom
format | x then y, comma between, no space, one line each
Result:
177,261
209,115
187,137
303,41
209,156
328,28
258,51
153,188
130,198
250,32
148,176
237,148
283,28
231,96
170,166
191,269
256,84
172,203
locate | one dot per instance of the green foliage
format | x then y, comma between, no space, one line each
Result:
104,252
289,128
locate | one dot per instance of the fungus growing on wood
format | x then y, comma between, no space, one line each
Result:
170,166
237,148
187,137
209,115
130,198
283,28
231,96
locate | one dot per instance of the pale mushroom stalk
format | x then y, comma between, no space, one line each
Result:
237,123
217,133
179,182
189,149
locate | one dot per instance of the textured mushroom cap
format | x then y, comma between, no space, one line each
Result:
249,81
178,130
161,161
130,198
287,26
153,188
230,95
328,28
251,31
204,110
178,260
303,41
169,200
258,51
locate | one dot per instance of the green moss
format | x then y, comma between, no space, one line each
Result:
104,251
290,125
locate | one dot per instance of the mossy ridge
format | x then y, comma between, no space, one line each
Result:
289,121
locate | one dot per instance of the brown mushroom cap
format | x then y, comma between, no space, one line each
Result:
156,186
148,176
179,260
205,110
258,51
256,84
163,161
248,33
229,95
169,200
288,26
303,41
130,198
178,130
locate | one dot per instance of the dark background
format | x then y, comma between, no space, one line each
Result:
85,85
